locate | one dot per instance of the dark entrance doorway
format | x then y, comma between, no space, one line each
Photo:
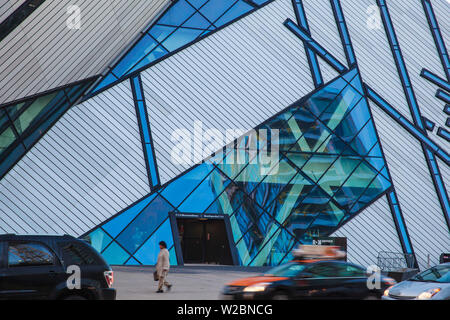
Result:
204,241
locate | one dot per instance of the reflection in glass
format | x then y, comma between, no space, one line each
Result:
329,167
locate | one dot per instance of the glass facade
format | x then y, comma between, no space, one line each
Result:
184,22
23,123
327,167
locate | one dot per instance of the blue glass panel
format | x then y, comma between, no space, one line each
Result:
13,110
350,75
74,92
38,109
377,163
236,161
3,119
181,37
250,177
148,253
275,249
132,262
376,151
202,197
114,254
205,33
314,201
288,131
273,184
145,45
179,189
138,91
228,201
144,224
334,145
321,100
110,78
376,188
338,173
257,234
311,133
356,83
177,14
352,124
214,9
289,257
365,140
355,185
239,9
197,21
197,3
298,224
298,159
119,222
157,53
173,257
341,106
326,221
98,239
7,137
161,32
260,2
218,157
385,173
249,215
317,165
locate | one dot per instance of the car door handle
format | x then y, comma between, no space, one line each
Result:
52,273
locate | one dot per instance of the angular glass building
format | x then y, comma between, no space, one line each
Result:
232,130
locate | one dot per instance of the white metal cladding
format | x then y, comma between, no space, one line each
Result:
88,167
375,58
369,233
405,157
43,53
323,29
373,53
420,205
7,7
445,173
419,51
235,78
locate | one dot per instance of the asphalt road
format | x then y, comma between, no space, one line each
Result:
196,282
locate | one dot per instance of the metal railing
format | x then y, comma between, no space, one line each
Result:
394,261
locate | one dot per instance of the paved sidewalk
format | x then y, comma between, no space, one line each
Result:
197,282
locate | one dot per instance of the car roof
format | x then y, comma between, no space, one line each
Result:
313,262
35,237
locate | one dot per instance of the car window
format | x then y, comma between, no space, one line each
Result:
2,257
436,274
286,270
78,254
29,254
347,270
322,270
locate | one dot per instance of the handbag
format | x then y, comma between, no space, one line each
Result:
155,276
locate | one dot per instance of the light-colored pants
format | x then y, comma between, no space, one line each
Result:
162,280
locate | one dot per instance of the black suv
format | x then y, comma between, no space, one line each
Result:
52,267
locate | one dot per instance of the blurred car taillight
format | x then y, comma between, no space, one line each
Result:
109,277
389,281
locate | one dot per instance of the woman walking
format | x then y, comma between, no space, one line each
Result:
162,267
